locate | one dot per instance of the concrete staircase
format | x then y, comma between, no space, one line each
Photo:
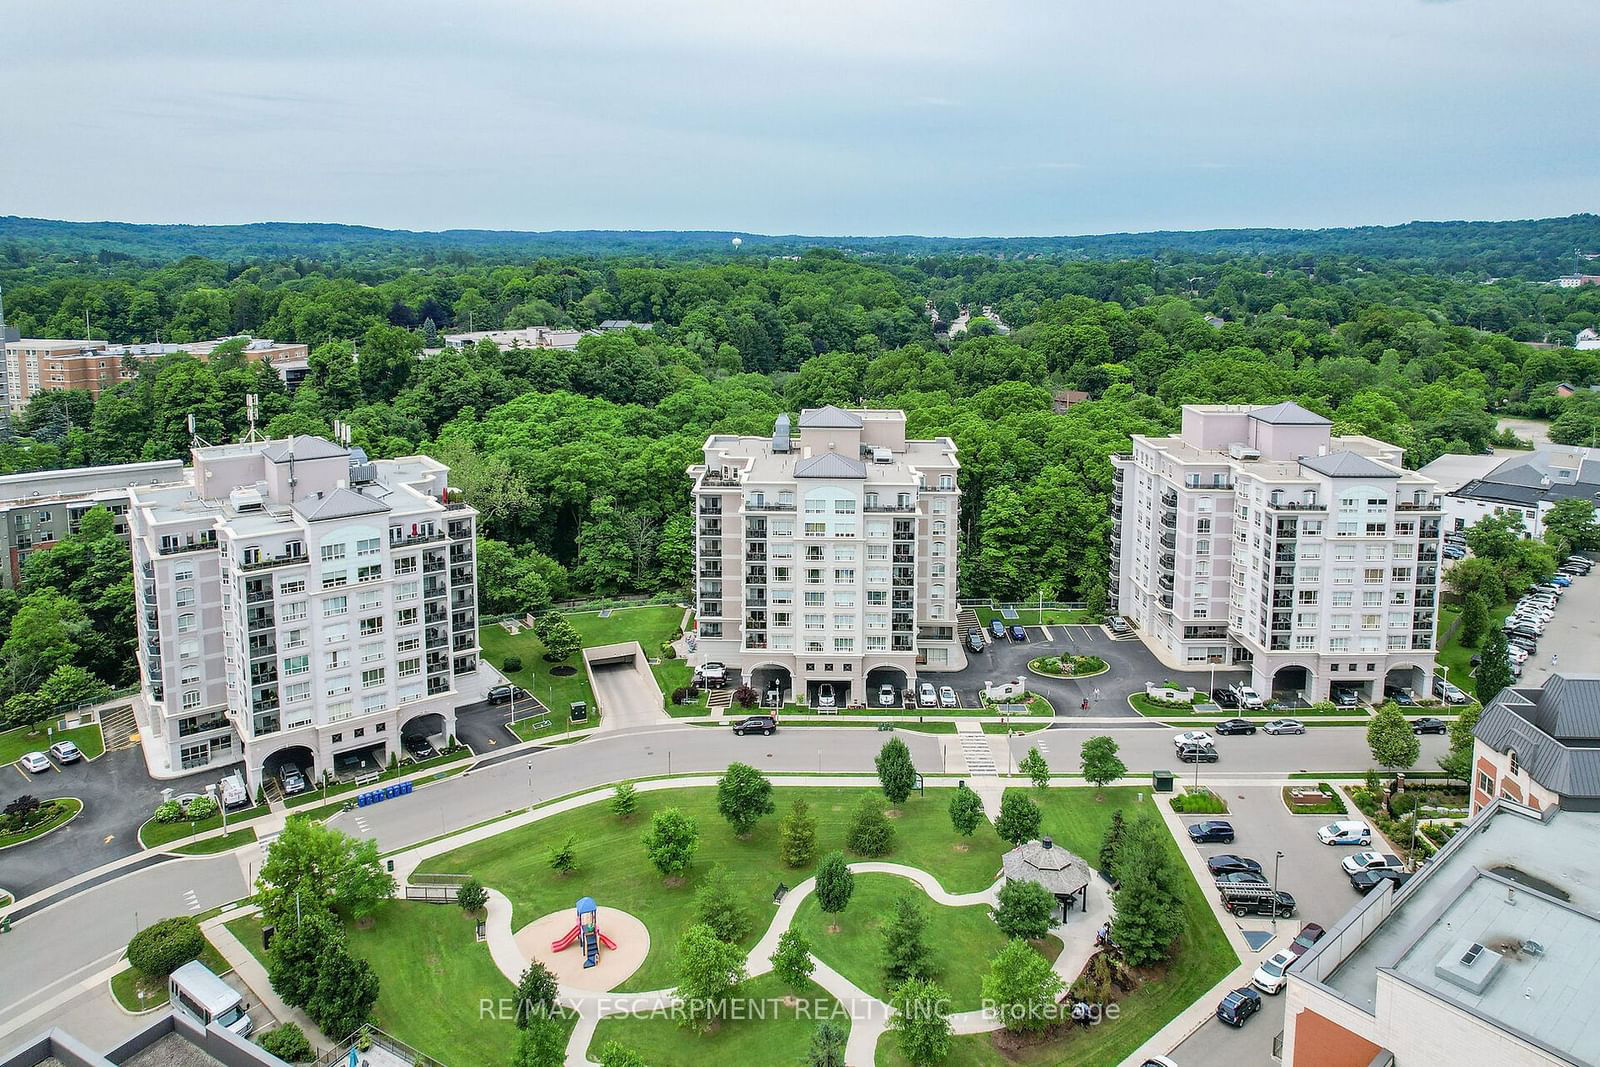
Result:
119,726
719,700
967,619
975,749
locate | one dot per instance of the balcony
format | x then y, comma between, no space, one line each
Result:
1169,519
1116,547
263,674
260,648
434,587
754,555
1166,601
416,537
725,479
462,643
437,685
259,596
263,562
769,505
1167,560
259,620
1419,505
712,506
710,609
1298,505
1428,554
208,540
464,620
460,531
710,528
1165,582
1169,498
1169,540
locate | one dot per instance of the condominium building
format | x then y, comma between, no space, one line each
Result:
1254,538
1527,485
1540,747
39,508
298,603
35,366
828,557
1490,954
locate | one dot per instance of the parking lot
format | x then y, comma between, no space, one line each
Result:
1309,871
1568,638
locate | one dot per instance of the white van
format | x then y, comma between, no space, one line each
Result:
207,999
232,791
1345,833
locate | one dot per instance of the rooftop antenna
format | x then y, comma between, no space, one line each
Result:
195,440
252,407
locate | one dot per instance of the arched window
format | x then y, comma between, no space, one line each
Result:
1516,765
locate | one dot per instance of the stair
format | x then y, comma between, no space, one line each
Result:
719,700
119,728
966,620
976,751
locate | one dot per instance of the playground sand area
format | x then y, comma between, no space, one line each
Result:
615,965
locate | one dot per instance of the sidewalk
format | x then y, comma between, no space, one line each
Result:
254,975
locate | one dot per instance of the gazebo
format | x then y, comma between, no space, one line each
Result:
1056,869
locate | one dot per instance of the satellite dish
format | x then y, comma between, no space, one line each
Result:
737,241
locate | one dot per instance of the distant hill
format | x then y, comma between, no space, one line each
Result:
1535,248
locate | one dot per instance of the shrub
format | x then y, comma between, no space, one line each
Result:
870,833
287,1042
667,651
679,695
169,811
563,858
472,896
671,840
746,697
1024,910
511,664
163,947
624,801
201,808
717,906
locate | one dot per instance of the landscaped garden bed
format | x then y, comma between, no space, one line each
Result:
24,821
1321,799
1199,801
127,985
1068,666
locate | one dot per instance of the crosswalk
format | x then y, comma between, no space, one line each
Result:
976,751
191,900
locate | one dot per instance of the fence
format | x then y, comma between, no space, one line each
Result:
1047,605
631,600
432,894
370,1037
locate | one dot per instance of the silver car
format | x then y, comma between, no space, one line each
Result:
66,752
1284,726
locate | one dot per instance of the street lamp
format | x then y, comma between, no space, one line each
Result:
1275,860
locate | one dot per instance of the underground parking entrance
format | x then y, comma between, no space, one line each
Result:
365,758
1410,679
276,769
773,683
888,682
828,694
1291,686
423,736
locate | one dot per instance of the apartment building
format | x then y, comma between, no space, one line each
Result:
827,557
1255,539
39,508
1490,954
35,366
299,603
1527,485
1540,746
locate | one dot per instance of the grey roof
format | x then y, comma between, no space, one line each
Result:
340,504
1046,864
1555,732
830,465
304,446
1288,413
829,418
1348,465
1551,472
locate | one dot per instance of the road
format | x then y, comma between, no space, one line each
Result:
1568,641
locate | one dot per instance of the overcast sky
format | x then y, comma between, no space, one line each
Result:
810,116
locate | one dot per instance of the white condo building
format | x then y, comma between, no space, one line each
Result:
1254,538
828,557
298,603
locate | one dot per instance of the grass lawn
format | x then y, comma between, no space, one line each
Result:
1456,656
212,845
960,939
780,1035
128,984
1034,617
14,744
649,625
528,729
155,834
612,867
1145,706
64,810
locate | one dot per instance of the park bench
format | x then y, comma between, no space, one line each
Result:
368,778
779,893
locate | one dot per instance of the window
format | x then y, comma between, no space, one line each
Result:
292,612
844,644
410,668
186,623
183,574
368,546
405,565
815,599
335,659
334,579
405,617
294,585
293,665
407,644
372,572
191,674
335,635
844,574
191,698
331,552
1516,764
368,599
184,596
295,692
335,606
372,652
844,622
338,687
1485,783
370,626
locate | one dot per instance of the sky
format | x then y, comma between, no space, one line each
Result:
832,117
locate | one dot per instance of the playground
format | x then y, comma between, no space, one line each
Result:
587,947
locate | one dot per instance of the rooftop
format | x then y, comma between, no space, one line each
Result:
1550,472
829,417
1347,464
1555,732
1043,863
1288,413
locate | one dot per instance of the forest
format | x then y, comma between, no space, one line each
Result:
576,458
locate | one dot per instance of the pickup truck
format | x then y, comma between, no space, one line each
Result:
1372,861
1248,697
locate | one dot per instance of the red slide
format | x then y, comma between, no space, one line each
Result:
572,935
608,943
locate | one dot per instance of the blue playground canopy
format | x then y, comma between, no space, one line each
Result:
587,905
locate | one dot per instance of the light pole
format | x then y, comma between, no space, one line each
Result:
1275,860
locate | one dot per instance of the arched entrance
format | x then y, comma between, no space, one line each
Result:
773,683
1406,681
280,766
886,675
422,736
1291,685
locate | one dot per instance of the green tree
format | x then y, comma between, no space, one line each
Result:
1025,910
561,641
543,1043
797,835
836,883
966,810
1474,619
165,945
616,1054
921,1022
827,1046
320,867
870,833
1101,763
1494,537
1112,841
287,1042
294,960
709,971
1035,767
1393,743
1019,818
671,840
896,773
743,795
1570,524
536,994
624,800
562,856
791,960
1457,763
345,992
905,949
1022,988
1494,668
717,905
1148,914
471,896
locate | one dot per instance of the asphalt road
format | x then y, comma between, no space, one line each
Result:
1568,641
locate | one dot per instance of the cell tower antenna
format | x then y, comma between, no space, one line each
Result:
252,408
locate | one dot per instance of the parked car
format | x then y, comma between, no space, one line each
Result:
1235,726
1192,737
926,696
1273,972
291,780
1018,633
947,697
1211,831
1240,878
1345,832
997,628
1345,697
714,674
1364,882
501,694
65,752
418,747
1237,1007
1448,693
1453,552
756,724
1310,934
825,698
1244,901
1197,754
1227,863
887,697
975,640
1224,698
1429,725
35,762
1119,625
1371,861
1400,695
1284,726
1248,697
1560,580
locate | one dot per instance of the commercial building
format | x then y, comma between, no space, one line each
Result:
39,508
1540,747
300,604
828,557
1490,954
1528,484
526,337
35,366
171,1039
1254,538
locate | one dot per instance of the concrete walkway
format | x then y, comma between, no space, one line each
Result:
254,975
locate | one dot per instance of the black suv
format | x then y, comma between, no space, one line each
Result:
1242,904
501,694
1429,725
1235,726
1237,1007
975,640
1211,830
1196,754
756,724
1224,699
